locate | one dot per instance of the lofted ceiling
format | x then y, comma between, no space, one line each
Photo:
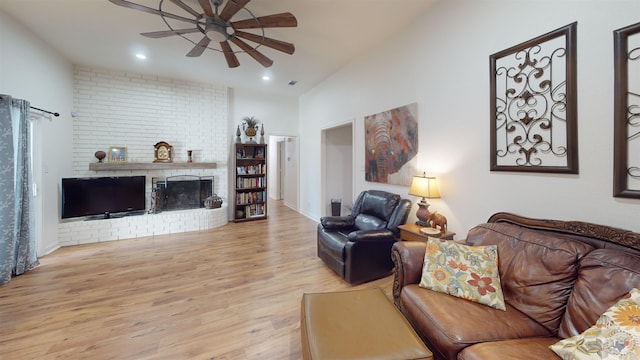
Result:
330,33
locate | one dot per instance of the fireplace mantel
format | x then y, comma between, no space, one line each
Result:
149,166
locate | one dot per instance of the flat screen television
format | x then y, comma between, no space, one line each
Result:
104,196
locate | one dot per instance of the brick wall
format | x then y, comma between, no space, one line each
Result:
128,227
116,108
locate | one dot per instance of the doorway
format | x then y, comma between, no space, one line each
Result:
282,163
337,177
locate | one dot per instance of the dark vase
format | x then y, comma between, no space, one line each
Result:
100,155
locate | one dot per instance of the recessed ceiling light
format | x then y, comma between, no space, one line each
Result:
141,56
266,78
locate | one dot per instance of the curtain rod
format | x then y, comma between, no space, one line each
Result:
45,111
35,108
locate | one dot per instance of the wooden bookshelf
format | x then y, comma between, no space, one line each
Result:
250,195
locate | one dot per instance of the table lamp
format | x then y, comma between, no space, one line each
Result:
426,187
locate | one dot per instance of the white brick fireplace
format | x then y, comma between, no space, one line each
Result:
114,108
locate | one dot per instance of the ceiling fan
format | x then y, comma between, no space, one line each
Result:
218,27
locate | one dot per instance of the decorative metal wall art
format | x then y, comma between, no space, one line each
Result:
534,105
626,177
391,145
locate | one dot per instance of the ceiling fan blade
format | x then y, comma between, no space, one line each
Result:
199,48
258,56
186,8
135,6
206,6
161,34
231,8
285,47
232,59
276,20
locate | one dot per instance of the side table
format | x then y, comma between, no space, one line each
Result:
411,232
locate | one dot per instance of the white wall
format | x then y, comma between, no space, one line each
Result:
31,70
442,63
279,114
117,108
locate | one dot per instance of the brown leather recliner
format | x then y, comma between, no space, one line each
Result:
358,247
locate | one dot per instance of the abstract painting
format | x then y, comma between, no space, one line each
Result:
391,145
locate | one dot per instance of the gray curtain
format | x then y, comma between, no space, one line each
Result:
17,241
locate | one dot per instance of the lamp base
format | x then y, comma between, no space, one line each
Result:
423,213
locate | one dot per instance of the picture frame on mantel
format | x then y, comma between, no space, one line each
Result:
626,130
533,104
118,154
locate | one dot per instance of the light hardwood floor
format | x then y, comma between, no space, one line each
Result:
228,293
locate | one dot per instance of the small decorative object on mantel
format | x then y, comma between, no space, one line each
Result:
162,152
118,154
189,156
100,155
249,127
238,139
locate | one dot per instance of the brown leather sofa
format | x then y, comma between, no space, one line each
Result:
557,277
358,247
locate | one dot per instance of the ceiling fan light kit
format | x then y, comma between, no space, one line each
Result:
217,28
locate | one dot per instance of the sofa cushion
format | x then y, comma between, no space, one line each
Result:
468,272
620,272
448,324
535,348
537,272
369,222
616,334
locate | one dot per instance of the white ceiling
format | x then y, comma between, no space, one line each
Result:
330,33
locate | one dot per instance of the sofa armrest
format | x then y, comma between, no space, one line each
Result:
371,235
336,222
408,257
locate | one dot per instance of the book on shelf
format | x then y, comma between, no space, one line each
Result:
254,210
253,182
250,197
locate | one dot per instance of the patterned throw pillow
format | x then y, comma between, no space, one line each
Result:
468,272
616,334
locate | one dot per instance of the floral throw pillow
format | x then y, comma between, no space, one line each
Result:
616,334
468,272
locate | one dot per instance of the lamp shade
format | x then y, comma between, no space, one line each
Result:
424,186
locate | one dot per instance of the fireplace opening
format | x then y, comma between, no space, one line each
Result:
180,192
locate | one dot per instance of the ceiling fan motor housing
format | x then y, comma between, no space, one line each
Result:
217,29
